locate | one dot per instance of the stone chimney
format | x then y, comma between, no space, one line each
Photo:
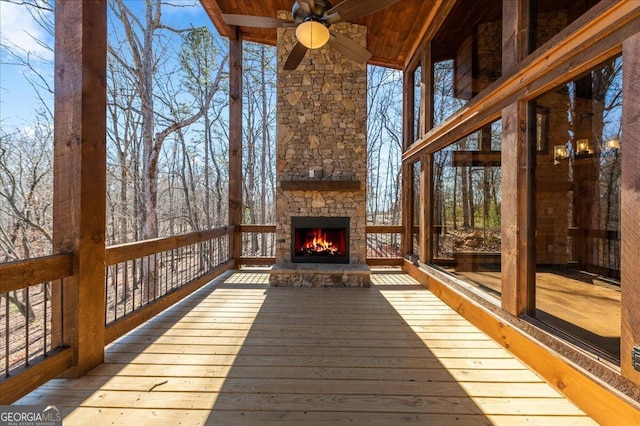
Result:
321,155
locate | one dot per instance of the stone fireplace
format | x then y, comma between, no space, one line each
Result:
319,239
321,167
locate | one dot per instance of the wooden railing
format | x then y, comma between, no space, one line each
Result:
142,279
258,245
141,276
383,245
30,323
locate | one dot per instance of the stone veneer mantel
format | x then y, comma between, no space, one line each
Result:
321,185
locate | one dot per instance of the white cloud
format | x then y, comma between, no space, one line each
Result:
18,28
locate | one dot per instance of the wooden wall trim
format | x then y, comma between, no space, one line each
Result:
235,138
128,323
603,403
591,39
24,381
630,209
79,194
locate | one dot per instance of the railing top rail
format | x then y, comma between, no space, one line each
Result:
370,228
250,227
24,273
123,252
384,229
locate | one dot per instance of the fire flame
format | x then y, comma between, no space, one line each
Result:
317,241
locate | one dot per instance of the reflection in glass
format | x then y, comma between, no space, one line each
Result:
578,210
418,119
416,169
466,208
445,103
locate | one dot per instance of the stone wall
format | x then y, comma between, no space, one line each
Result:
321,125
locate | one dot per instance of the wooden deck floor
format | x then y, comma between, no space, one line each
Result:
240,353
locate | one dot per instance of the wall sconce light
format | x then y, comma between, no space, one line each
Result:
560,153
583,147
612,145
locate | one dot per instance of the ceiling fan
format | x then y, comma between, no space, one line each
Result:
312,19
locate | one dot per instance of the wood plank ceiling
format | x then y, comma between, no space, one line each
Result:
391,36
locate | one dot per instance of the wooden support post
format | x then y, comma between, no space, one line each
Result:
407,109
79,193
426,176
235,140
518,264
408,138
407,168
407,208
427,81
630,267
517,37
426,209
517,213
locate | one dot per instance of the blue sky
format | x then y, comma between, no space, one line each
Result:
18,100
17,28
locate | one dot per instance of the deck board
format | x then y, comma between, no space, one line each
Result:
241,353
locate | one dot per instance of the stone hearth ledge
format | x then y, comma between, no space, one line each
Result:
319,275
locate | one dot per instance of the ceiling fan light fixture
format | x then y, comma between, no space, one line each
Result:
312,34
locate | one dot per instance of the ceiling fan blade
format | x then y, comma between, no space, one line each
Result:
305,6
352,9
349,48
295,57
256,21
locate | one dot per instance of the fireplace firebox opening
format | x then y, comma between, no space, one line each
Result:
320,239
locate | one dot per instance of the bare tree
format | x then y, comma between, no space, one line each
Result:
384,145
141,36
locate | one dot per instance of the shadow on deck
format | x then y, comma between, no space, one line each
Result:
238,352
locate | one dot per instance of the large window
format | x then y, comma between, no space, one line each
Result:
466,208
577,243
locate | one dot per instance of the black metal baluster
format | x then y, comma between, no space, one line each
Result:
116,301
6,352
44,299
26,328
125,272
